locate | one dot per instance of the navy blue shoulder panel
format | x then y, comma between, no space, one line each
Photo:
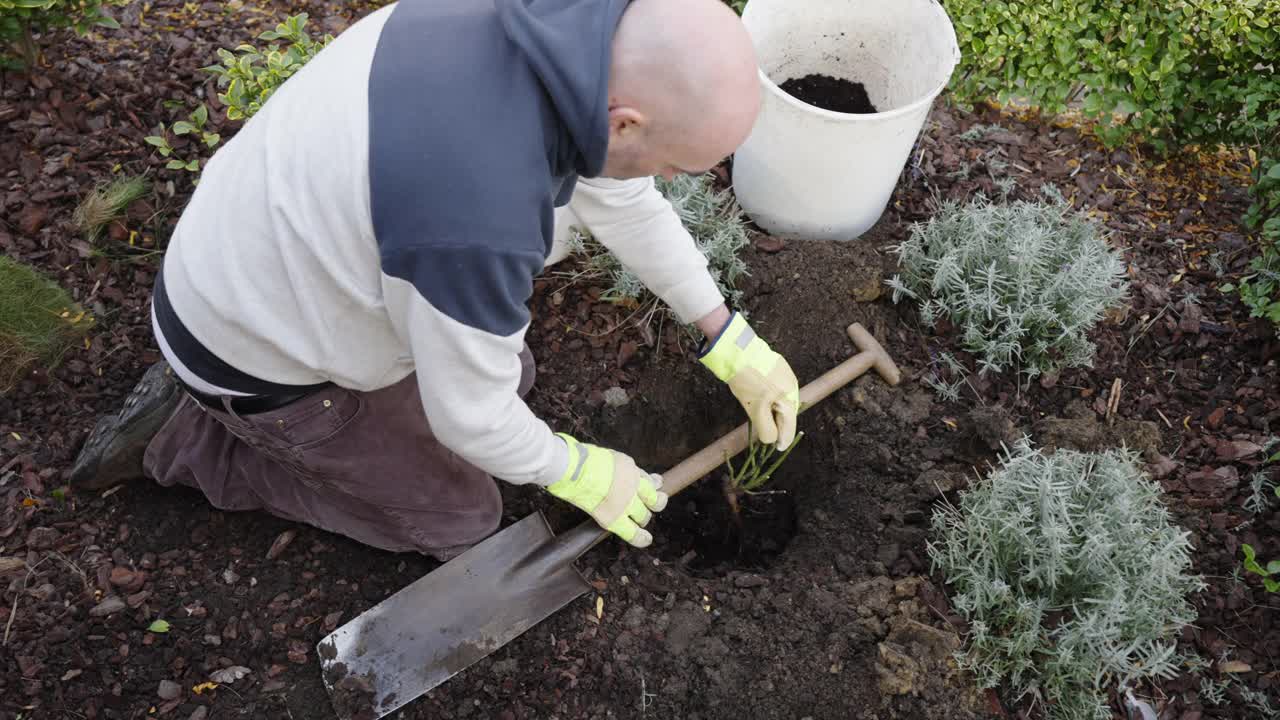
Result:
461,185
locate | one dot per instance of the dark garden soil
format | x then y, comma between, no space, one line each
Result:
823,606
829,93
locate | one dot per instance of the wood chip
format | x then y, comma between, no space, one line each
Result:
1235,666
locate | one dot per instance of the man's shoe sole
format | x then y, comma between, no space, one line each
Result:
114,450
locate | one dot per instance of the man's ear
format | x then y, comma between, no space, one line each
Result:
625,120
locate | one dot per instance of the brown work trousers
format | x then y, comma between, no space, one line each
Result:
360,464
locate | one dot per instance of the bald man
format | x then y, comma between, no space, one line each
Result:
343,303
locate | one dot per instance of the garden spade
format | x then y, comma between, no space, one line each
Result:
474,604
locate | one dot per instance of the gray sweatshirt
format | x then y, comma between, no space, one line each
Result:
387,211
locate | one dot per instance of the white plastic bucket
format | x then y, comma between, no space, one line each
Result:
809,173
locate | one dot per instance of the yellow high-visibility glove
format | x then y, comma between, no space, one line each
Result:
759,378
611,489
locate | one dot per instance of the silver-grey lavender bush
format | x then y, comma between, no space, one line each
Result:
713,218
1023,283
1071,574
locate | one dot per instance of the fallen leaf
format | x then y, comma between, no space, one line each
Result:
282,541
1235,666
599,607
229,675
71,675
159,626
198,689
770,244
9,564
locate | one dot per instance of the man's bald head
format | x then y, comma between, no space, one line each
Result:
683,88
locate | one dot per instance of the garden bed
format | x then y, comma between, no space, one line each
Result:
822,606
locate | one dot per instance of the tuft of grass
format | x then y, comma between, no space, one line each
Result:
39,321
107,202
1071,574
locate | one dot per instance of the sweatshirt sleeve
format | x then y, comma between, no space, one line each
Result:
460,312
641,228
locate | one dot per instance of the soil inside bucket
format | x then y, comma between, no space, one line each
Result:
830,93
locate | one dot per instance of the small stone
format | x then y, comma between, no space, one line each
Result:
109,605
199,713
616,397
273,686
749,581
213,640
42,538
169,690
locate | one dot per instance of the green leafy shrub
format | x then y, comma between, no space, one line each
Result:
1071,575
1268,573
712,218
1260,290
1176,73
21,20
250,75
38,321
194,126
1023,282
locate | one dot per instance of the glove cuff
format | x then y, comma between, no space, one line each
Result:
587,479
736,346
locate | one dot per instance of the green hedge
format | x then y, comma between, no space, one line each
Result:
21,19
1174,73
1260,288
